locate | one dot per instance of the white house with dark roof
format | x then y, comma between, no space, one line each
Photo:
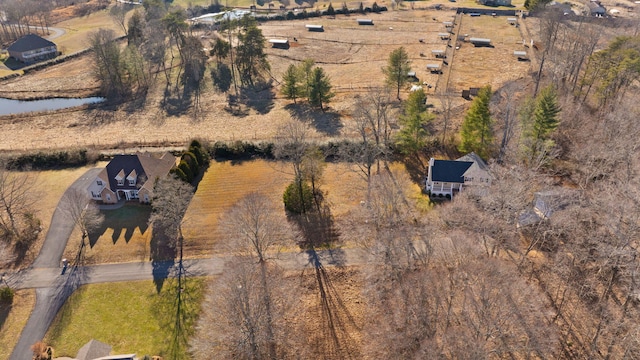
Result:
447,177
32,48
130,177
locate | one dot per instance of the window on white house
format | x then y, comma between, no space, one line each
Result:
120,181
132,182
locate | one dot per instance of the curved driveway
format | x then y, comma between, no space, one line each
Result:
61,226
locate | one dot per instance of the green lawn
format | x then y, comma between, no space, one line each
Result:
132,317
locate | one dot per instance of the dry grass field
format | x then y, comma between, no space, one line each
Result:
49,186
125,236
479,66
78,29
13,320
352,56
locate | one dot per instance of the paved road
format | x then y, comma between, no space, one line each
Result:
53,288
61,226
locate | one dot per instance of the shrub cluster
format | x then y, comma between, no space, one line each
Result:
51,160
192,161
6,295
298,197
241,150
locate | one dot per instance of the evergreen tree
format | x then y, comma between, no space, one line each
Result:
305,70
330,10
291,88
476,133
397,68
539,120
546,113
135,29
413,134
320,88
251,60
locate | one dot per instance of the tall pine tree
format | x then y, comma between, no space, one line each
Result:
540,120
291,88
477,133
397,68
319,88
413,134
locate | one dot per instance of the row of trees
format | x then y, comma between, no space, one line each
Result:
307,81
161,41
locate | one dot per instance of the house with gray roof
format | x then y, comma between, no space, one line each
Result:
32,48
130,177
447,177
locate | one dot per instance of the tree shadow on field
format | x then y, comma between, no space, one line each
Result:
325,122
163,254
138,102
416,169
123,220
259,97
177,308
175,104
319,236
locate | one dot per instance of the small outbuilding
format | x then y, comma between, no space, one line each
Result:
434,68
439,54
318,28
279,43
365,21
521,55
412,75
512,20
444,36
480,41
448,24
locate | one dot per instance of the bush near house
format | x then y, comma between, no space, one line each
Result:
192,162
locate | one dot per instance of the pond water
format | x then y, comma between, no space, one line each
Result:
8,106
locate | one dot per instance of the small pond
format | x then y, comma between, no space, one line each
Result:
8,106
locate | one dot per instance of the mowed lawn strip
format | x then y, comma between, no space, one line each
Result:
132,317
13,319
223,185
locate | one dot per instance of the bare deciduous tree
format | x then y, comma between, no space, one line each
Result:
17,200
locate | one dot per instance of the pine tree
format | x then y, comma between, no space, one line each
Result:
476,133
397,68
413,134
291,83
539,120
330,10
546,113
319,88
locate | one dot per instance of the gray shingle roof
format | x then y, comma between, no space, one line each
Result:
92,350
29,42
449,170
145,166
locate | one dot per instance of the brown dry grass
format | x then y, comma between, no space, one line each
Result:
49,187
14,319
78,29
221,187
480,66
351,55
225,183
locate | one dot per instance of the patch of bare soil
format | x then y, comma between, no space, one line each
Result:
333,320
